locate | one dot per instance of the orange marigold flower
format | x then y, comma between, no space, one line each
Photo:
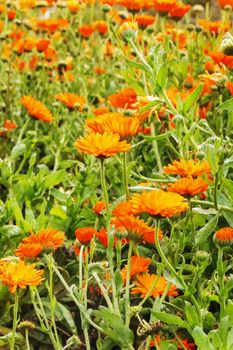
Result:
102,236
71,100
42,45
102,145
101,27
189,168
144,20
101,110
11,14
223,3
229,86
123,99
179,11
99,207
188,187
224,236
48,239
123,208
73,6
144,282
18,274
137,230
36,109
115,123
138,264
86,30
186,343
85,234
158,203
164,6
9,125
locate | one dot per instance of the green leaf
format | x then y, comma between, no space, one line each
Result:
162,76
192,98
137,65
191,315
226,106
201,339
169,318
59,212
150,105
168,345
204,233
18,150
157,137
54,179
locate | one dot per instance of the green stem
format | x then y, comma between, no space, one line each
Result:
104,188
27,339
127,285
15,315
125,177
103,290
221,275
216,190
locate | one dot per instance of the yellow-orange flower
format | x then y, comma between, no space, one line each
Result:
36,109
144,283
138,264
71,100
123,208
18,274
45,239
188,187
224,236
137,230
102,145
114,123
187,168
158,203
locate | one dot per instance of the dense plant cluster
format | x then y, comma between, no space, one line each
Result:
116,220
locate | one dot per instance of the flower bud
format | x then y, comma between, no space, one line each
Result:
227,45
128,31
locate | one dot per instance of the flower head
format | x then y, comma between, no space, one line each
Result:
85,234
36,109
144,282
187,168
158,203
18,274
188,187
224,236
138,264
102,145
71,100
45,239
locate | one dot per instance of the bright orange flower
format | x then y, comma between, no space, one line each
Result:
48,239
188,187
223,3
220,58
229,86
115,123
11,14
36,109
99,207
144,20
158,203
42,45
138,264
85,234
86,30
224,236
144,282
179,11
123,208
102,236
101,27
185,342
18,274
189,168
123,99
214,27
73,6
71,100
137,230
101,110
102,145
9,125
164,6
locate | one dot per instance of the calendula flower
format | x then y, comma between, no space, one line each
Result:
18,274
99,207
144,282
224,236
137,230
138,264
125,98
44,240
144,20
102,145
117,124
186,343
178,12
164,6
158,203
85,234
188,168
188,187
121,209
36,109
71,100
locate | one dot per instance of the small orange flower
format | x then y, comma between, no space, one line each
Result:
144,282
99,207
179,11
224,236
123,208
158,203
102,236
123,99
188,168
101,110
115,123
102,145
137,230
138,264
18,274
164,6
47,239
42,45
101,27
86,30
71,100
85,234
188,187
144,20
36,109
9,125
